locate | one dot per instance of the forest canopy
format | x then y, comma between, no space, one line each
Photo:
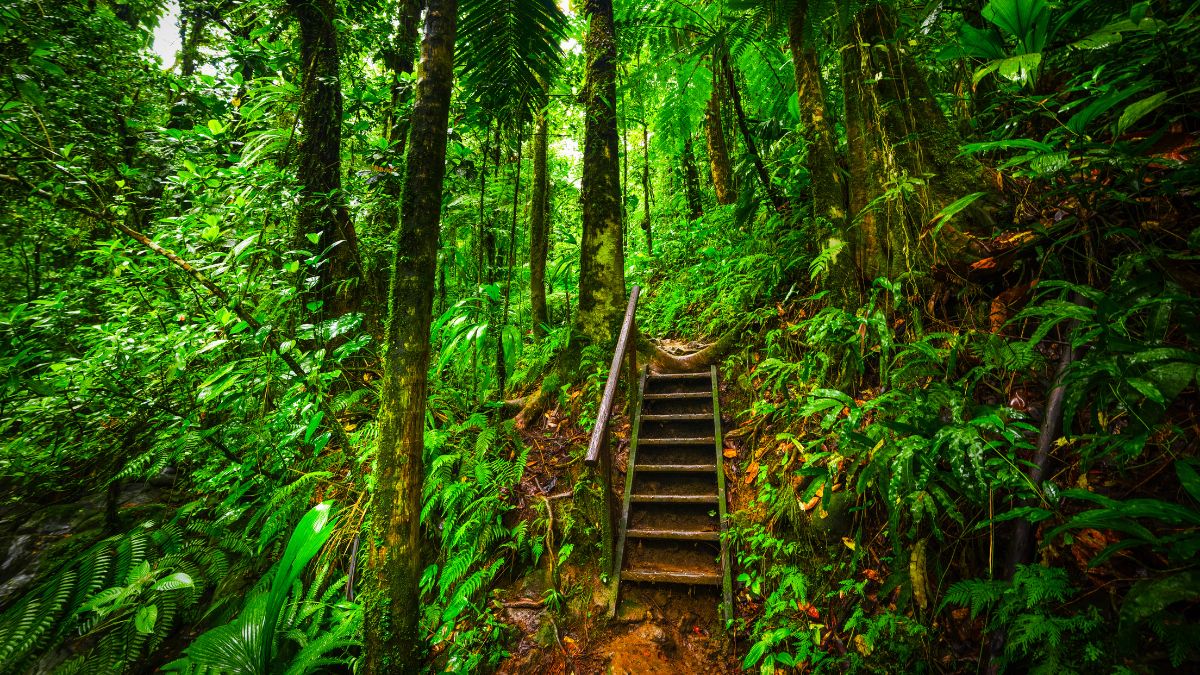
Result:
309,308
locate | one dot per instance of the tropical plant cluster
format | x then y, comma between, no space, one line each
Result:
305,320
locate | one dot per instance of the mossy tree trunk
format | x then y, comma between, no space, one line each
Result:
828,184
392,602
903,155
718,150
400,58
319,172
602,260
539,226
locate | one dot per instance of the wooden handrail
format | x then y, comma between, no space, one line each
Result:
614,375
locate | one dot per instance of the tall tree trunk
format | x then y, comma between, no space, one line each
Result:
392,604
322,210
718,151
539,227
691,180
501,362
647,223
777,201
400,59
897,136
602,260
828,185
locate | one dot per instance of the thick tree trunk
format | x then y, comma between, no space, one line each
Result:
539,227
602,260
777,201
828,185
392,603
903,155
322,210
691,181
718,150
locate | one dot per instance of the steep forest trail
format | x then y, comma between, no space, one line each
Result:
665,613
673,513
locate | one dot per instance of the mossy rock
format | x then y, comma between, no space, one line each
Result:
832,516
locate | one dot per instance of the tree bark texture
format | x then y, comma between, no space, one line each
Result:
320,157
539,227
828,185
602,261
400,59
718,150
392,603
903,155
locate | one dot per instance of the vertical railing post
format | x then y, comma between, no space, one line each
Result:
599,454
606,521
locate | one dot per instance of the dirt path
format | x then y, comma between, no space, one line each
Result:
657,631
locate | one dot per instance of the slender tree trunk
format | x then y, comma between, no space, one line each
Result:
718,151
539,227
501,362
481,235
392,603
322,210
828,185
735,97
602,260
400,59
691,180
647,222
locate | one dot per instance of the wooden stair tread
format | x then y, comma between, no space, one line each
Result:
694,577
673,499
698,375
678,417
682,394
680,468
683,535
700,440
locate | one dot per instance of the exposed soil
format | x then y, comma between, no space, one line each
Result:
658,630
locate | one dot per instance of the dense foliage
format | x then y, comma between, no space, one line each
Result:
948,251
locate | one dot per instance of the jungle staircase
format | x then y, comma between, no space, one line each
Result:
669,526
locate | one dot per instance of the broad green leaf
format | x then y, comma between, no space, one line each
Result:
145,618
1136,111
313,423
954,208
174,582
1188,478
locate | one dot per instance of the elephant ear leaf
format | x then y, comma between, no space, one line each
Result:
234,648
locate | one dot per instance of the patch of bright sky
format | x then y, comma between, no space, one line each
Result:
166,35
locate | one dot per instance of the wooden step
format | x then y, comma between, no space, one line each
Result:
700,375
673,499
679,417
682,535
677,468
682,394
702,440
696,577
668,561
